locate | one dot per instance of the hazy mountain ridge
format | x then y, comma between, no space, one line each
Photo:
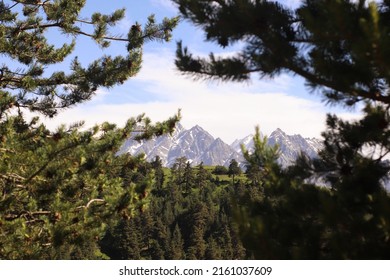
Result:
197,145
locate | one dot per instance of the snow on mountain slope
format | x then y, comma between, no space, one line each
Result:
197,145
290,145
190,144
246,141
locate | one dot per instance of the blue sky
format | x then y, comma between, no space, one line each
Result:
226,110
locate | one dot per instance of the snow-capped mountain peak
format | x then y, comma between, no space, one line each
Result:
246,141
197,145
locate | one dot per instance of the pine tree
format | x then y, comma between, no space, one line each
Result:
24,25
234,169
177,172
122,243
341,49
197,248
213,250
158,173
62,189
261,162
202,178
357,181
220,170
177,245
188,178
162,238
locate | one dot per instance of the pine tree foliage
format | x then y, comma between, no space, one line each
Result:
261,161
27,83
61,190
341,48
234,169
63,187
283,214
220,170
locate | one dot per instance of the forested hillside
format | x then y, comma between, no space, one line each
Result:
268,212
189,215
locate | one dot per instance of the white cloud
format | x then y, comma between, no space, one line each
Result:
226,110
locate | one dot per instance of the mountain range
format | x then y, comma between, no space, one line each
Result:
197,145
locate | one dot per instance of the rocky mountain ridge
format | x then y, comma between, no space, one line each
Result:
197,145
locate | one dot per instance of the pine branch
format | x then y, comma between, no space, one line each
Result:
79,32
52,157
12,177
13,216
95,200
11,7
4,150
354,92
